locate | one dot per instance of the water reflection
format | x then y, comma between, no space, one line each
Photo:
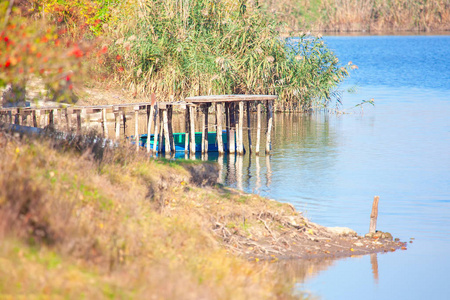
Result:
374,263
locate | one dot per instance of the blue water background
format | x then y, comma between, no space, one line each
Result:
331,165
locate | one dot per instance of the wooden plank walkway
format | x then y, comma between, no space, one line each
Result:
159,120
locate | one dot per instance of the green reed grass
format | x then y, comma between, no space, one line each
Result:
180,48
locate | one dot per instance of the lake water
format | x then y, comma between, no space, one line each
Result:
330,166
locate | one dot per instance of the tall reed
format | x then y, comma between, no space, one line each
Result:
179,48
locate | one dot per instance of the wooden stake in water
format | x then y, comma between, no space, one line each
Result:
258,129
374,215
219,127
249,131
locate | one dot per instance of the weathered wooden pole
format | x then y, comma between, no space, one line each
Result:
33,113
269,126
105,124
227,124
170,126
192,130
205,129
167,142
136,127
374,215
231,141
117,121
78,121
258,127
186,130
249,129
150,112
241,128
155,136
161,131
51,117
219,128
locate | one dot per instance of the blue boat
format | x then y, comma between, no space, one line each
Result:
180,138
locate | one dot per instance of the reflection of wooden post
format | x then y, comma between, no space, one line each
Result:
155,136
192,130
105,125
117,122
149,125
136,127
241,128
219,128
269,126
374,263
249,130
374,215
231,141
258,129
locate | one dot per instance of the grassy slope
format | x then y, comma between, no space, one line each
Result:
73,227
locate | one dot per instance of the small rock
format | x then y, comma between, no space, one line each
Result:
342,231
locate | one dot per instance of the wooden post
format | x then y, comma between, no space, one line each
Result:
231,141
17,117
136,127
249,130
166,132
219,127
227,124
117,122
51,118
241,128
161,131
374,215
105,125
192,130
186,131
205,129
60,113
33,113
170,126
155,136
258,129
269,126
149,125
78,121
124,119
68,119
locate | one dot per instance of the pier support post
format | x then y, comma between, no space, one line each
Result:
219,127
136,127
192,130
155,136
186,130
258,129
124,120
51,117
232,145
33,114
205,129
150,113
170,126
269,126
166,132
117,122
105,125
249,129
78,121
227,124
241,128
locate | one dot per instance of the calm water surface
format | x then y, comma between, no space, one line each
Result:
331,165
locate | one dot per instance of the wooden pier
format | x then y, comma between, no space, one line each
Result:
229,112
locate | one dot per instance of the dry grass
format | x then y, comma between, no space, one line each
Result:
76,224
